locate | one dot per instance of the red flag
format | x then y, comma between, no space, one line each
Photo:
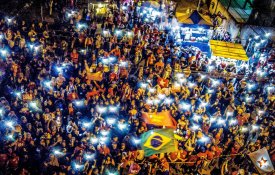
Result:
159,119
98,76
163,83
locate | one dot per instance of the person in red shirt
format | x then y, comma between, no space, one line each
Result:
74,56
103,149
13,162
202,156
242,119
217,150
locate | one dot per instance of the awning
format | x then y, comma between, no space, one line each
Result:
228,50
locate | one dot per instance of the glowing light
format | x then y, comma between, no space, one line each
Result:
111,59
123,63
229,114
210,68
156,101
168,101
210,91
204,139
9,124
257,37
161,96
233,122
244,129
31,46
79,102
104,132
203,104
101,109
103,139
9,20
105,32
10,136
149,101
182,80
260,112
1,111
122,126
129,33
212,120
155,13
4,52
124,8
152,90
111,121
33,104
118,32
143,85
136,141
87,124
215,82
255,127
18,94
195,127
267,34
113,109
59,69
80,26
89,156
191,85
270,88
77,166
185,106
196,117
250,86
57,152
105,61
179,75
36,48
48,84
203,76
248,99
220,121
94,140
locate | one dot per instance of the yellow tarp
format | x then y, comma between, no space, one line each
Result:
228,50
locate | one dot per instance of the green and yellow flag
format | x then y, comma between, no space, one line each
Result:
158,141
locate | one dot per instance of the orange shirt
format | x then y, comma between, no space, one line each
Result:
159,64
74,57
151,60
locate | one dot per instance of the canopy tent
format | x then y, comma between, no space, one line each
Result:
190,16
153,4
187,13
228,50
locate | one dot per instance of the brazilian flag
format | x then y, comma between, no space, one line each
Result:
158,141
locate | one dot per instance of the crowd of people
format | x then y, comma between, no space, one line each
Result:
71,103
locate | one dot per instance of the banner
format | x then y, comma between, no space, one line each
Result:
262,161
98,76
158,141
159,119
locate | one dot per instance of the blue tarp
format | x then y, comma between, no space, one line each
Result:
204,47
